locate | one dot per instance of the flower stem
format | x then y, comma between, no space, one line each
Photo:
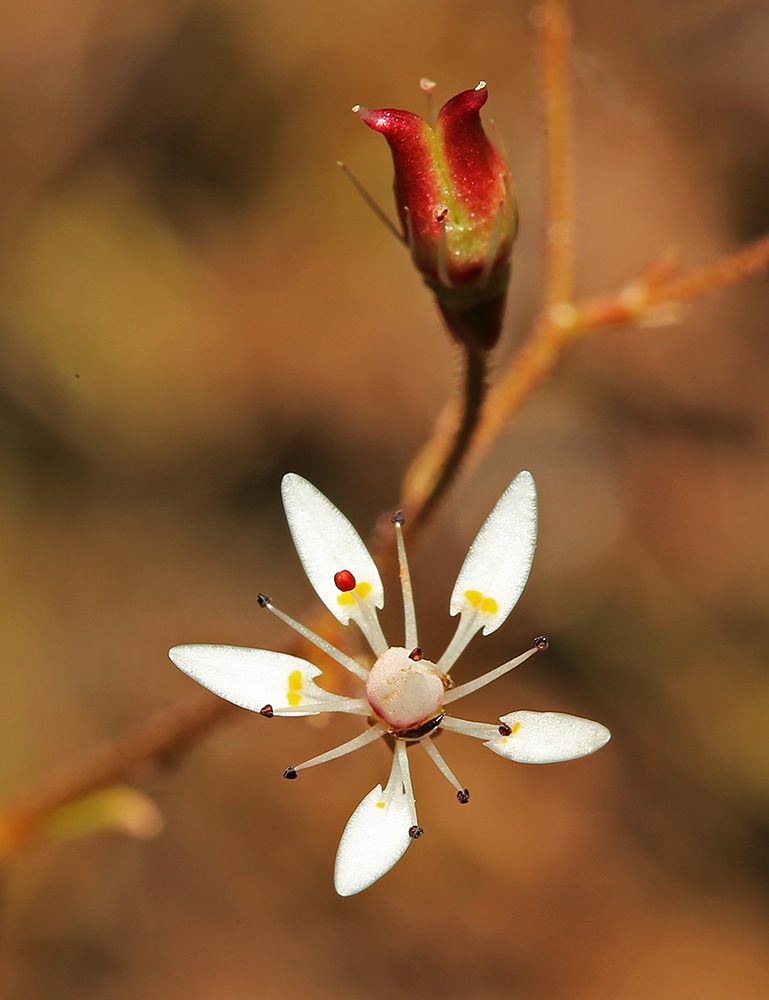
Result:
474,390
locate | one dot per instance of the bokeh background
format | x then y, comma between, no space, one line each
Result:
193,301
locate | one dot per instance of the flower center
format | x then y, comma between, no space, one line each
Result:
404,690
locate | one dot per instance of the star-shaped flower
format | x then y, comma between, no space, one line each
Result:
406,697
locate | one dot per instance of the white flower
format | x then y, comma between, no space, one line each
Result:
406,697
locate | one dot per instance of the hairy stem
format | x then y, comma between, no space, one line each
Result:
474,389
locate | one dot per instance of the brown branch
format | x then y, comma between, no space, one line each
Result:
745,263
554,25
159,739
654,298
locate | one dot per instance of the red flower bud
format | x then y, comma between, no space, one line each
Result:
458,211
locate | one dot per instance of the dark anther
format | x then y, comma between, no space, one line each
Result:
463,796
267,711
344,580
440,216
541,642
290,772
398,517
264,600
504,729
416,654
415,832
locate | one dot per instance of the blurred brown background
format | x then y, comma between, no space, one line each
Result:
194,301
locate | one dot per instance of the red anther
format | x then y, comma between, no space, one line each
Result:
344,580
440,216
505,730
267,711
416,654
541,642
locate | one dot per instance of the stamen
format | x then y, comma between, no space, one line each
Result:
374,733
267,711
402,757
505,730
368,199
395,781
409,613
469,624
440,763
499,142
290,773
410,239
351,706
416,654
369,625
480,730
336,654
484,679
491,250
415,832
443,252
428,86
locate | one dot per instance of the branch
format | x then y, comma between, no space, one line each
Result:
554,26
159,739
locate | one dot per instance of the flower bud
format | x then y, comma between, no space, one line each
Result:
458,210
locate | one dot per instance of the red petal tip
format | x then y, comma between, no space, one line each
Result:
467,102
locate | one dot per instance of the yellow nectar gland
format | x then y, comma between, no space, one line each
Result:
294,686
475,599
362,589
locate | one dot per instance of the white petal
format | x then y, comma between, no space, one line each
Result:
548,737
375,838
253,678
327,543
497,566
